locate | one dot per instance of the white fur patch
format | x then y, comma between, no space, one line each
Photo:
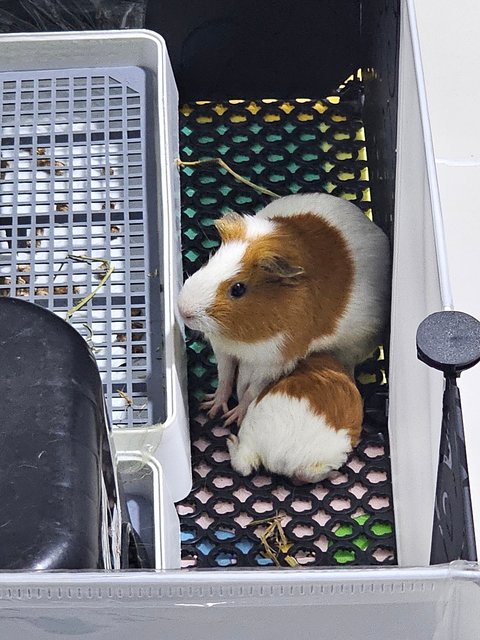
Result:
199,291
259,363
257,227
264,353
284,435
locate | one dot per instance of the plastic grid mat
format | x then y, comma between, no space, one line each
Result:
286,146
73,188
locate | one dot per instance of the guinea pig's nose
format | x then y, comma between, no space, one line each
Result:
185,313
187,316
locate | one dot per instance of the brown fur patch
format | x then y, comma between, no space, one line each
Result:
231,227
329,389
301,308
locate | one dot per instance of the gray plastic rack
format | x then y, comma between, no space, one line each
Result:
73,187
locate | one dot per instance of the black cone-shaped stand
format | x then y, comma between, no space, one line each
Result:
450,341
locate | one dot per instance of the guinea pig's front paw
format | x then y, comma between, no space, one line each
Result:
213,403
236,414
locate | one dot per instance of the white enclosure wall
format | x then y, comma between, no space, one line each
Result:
398,604
419,287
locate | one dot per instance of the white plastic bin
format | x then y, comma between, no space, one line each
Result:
437,602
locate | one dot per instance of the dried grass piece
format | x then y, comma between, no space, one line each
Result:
103,171
60,291
126,397
130,403
43,162
39,233
107,268
59,172
46,162
5,281
89,338
275,542
23,280
137,348
4,164
237,176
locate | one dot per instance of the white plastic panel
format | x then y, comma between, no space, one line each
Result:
415,390
397,604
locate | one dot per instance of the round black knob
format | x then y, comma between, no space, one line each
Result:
449,341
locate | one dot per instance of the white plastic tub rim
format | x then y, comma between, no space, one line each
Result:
419,603
247,584
440,603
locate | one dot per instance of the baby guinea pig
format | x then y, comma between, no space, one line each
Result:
303,425
308,273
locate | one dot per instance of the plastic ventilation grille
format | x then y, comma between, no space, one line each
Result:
304,145
73,187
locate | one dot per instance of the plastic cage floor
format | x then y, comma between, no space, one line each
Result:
286,146
73,186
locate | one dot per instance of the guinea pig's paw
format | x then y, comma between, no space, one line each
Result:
242,458
313,473
238,413
334,474
213,403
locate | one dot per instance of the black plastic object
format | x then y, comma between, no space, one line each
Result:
450,341
57,481
258,49
71,15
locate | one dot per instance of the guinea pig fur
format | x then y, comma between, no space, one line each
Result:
303,425
309,273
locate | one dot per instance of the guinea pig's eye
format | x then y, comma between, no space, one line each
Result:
238,289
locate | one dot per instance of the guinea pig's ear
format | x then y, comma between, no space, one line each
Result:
231,226
279,268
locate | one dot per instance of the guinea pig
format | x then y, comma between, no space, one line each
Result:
309,273
303,425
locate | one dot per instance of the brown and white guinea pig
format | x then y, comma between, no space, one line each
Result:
302,426
308,273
